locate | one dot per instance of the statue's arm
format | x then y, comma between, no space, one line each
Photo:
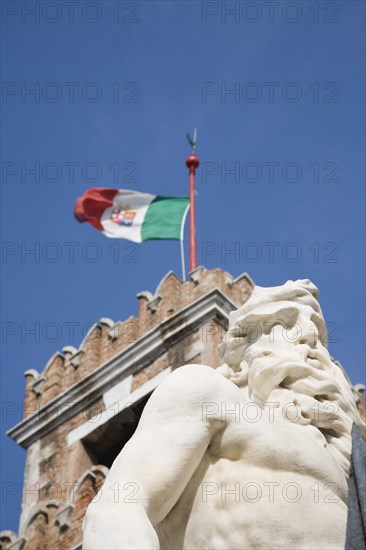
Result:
154,467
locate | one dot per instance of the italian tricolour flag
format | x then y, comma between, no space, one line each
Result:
126,214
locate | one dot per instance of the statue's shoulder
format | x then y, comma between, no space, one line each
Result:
186,394
194,383
196,373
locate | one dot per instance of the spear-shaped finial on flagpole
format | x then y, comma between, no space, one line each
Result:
192,163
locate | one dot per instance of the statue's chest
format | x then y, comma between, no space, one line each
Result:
273,443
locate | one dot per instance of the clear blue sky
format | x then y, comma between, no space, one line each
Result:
121,92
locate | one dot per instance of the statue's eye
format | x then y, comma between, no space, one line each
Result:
239,333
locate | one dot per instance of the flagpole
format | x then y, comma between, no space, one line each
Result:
182,244
192,163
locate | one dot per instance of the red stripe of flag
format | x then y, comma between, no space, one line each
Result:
90,206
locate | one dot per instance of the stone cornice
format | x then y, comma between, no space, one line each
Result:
213,305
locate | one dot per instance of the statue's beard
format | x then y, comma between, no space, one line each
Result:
321,395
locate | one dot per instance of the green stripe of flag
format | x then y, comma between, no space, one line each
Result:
164,218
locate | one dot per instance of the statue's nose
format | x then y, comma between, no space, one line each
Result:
309,336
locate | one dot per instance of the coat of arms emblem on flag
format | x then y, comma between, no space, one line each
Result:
123,215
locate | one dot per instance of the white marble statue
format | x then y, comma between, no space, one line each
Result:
253,455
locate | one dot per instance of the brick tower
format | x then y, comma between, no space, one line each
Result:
86,403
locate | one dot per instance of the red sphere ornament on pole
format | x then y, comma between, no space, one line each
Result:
192,163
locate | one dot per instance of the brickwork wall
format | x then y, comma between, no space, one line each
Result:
107,338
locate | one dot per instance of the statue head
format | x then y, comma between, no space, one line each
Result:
276,321
276,346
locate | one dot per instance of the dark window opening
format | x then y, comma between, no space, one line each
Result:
105,442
